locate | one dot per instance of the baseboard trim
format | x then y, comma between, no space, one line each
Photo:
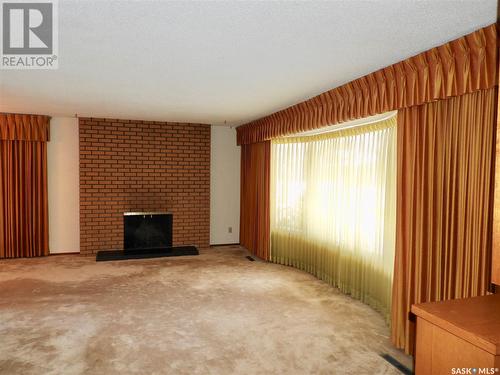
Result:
225,244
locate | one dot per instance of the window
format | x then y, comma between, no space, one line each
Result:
333,199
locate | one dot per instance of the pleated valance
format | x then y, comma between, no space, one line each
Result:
461,66
24,127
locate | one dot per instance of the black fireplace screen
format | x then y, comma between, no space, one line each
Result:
147,230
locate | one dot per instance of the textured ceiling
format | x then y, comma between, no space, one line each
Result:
225,61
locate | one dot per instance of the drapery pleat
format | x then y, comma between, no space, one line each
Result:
333,208
254,200
461,66
24,127
444,204
23,186
495,258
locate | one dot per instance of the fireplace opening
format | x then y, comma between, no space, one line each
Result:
147,230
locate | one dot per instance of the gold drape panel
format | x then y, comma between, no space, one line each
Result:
254,200
461,66
495,261
444,204
23,186
333,209
24,127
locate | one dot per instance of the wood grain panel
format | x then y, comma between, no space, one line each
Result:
450,351
423,352
458,334
439,351
474,319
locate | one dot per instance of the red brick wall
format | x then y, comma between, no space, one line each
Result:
128,165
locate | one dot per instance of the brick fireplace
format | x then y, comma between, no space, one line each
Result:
129,165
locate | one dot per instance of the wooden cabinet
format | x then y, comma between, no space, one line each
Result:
456,335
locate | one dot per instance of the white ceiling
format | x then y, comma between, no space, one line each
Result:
225,61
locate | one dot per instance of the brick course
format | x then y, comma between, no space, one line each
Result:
128,165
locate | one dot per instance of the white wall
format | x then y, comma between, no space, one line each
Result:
63,185
224,186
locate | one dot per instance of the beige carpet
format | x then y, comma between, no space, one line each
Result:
216,313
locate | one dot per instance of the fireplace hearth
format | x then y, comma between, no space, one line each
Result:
147,235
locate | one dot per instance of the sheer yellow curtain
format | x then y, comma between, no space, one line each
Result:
333,208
